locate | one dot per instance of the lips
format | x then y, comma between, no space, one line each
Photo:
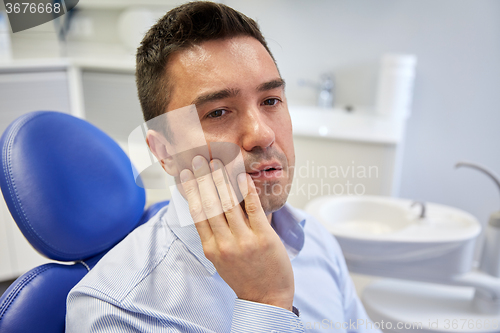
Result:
266,170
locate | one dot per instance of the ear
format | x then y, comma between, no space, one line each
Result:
160,147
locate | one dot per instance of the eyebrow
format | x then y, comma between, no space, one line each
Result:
226,93
215,96
278,83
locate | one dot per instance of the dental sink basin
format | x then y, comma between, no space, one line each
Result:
386,236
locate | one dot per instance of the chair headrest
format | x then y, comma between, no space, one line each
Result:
69,186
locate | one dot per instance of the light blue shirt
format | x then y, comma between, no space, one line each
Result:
159,280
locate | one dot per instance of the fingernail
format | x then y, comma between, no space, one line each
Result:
215,165
184,175
242,184
197,162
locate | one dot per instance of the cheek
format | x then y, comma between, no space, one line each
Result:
212,135
284,138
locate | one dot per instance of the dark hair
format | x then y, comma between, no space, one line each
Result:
182,27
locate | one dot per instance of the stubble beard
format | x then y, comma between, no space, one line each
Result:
273,194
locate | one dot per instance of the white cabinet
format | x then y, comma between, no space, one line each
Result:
340,167
111,102
7,270
17,256
23,91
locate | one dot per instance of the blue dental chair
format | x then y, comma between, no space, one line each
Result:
71,190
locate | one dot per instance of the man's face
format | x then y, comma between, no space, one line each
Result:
240,98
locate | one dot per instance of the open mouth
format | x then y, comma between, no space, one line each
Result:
267,172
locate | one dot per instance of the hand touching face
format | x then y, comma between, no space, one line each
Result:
244,248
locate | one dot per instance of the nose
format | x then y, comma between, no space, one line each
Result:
257,131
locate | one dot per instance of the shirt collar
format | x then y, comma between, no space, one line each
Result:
289,225
287,222
182,225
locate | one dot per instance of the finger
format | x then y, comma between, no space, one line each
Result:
232,209
210,202
253,207
190,187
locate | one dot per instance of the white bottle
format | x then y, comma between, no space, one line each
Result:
395,85
5,45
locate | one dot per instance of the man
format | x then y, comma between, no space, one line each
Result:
205,264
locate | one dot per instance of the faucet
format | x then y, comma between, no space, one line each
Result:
422,208
326,90
326,95
490,258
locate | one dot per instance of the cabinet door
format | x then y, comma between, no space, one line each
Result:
7,271
111,103
340,167
22,256
21,93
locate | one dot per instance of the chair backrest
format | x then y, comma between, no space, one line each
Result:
71,190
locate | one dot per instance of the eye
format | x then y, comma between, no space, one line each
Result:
271,101
216,113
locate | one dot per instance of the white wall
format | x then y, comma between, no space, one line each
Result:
456,109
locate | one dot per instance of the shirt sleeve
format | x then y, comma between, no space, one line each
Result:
255,317
89,314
